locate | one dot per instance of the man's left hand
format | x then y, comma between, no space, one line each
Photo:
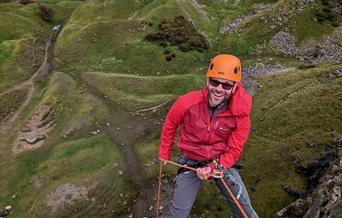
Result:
204,173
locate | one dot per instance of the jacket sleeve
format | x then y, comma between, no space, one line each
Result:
172,121
236,142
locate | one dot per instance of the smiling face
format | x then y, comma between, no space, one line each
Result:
219,90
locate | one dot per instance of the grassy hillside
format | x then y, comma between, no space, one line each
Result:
23,34
98,157
301,109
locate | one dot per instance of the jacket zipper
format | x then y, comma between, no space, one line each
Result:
224,129
211,130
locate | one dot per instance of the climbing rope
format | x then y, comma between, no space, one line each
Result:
217,173
159,186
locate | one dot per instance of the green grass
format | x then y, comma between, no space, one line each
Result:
18,21
302,26
11,101
110,10
74,161
135,92
62,10
97,44
17,61
23,34
76,110
102,48
302,108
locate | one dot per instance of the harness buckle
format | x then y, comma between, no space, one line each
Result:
217,173
218,170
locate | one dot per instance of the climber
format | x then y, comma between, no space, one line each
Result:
214,125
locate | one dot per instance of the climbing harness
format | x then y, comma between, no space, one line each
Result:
217,173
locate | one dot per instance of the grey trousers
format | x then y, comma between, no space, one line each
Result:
188,184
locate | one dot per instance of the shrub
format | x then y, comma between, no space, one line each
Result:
179,32
45,12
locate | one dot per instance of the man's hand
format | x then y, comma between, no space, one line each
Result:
204,173
163,160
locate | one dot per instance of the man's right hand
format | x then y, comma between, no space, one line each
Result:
204,173
163,161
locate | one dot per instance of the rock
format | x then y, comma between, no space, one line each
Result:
33,140
336,73
234,23
328,49
65,195
337,191
336,169
284,42
24,2
322,201
4,212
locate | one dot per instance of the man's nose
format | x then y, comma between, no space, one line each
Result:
219,88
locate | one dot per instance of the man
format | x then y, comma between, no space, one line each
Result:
214,124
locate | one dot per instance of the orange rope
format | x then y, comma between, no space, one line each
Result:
159,186
234,199
180,165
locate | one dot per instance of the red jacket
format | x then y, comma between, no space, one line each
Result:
201,139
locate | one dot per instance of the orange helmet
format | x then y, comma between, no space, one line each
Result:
225,66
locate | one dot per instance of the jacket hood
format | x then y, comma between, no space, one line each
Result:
240,103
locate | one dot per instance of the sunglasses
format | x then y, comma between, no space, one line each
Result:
225,86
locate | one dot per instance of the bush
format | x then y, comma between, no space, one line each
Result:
45,12
168,57
178,32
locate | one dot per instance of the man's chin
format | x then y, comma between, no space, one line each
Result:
214,103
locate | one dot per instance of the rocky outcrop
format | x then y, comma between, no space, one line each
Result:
249,72
35,131
328,49
284,42
323,197
336,73
65,195
5,211
234,23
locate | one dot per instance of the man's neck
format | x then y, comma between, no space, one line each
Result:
213,111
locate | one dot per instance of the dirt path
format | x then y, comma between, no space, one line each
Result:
43,69
126,130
